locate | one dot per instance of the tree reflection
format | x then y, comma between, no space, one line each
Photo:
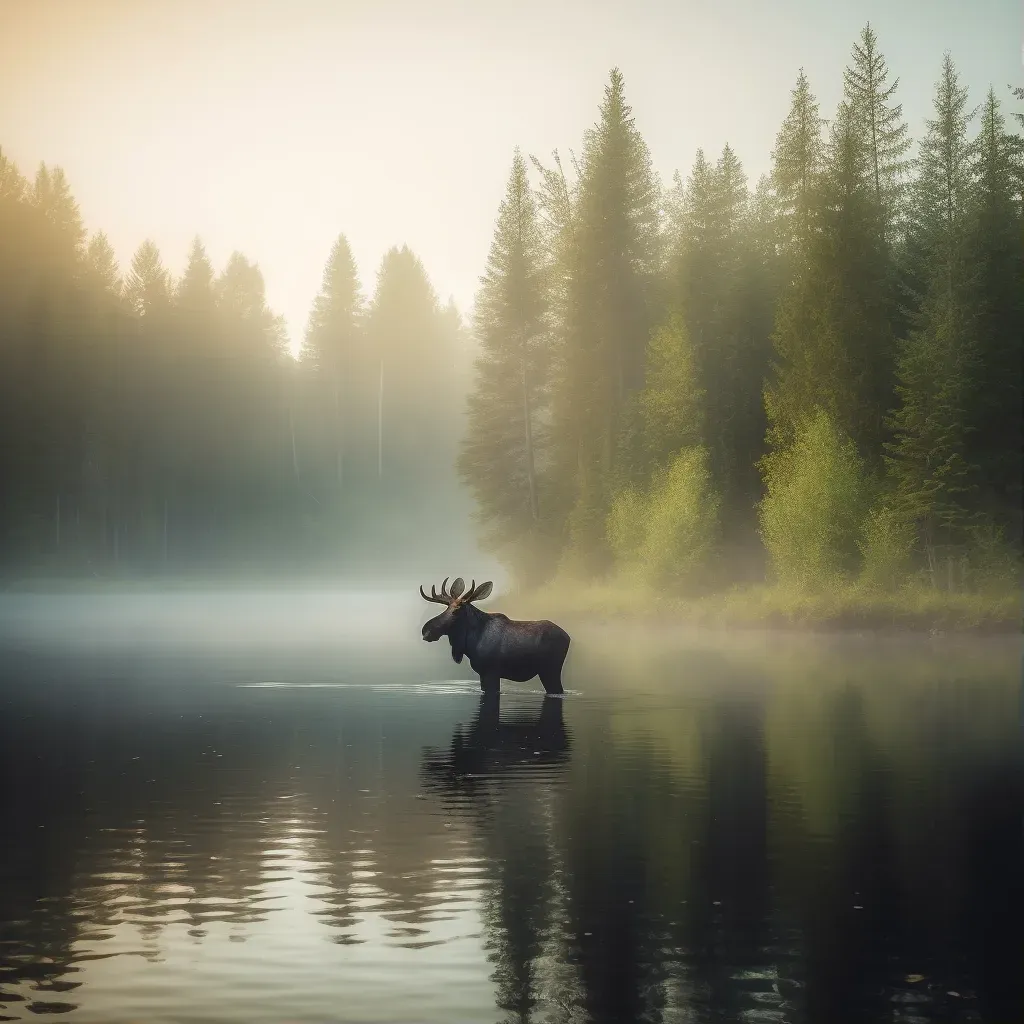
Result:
476,776
803,839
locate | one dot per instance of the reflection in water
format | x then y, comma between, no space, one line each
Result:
800,836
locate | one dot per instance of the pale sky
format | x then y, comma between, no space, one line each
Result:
270,126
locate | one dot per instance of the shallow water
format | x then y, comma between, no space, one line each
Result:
327,825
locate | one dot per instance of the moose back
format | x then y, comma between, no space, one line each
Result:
497,647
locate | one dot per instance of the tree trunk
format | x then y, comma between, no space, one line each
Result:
57,521
165,529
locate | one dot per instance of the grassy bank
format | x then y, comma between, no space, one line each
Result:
916,608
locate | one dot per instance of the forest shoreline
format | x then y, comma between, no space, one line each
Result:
752,609
915,610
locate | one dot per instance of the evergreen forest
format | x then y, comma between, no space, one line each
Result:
812,380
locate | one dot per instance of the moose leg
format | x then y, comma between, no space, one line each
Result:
552,680
490,682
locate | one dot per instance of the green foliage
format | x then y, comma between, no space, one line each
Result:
504,453
995,565
938,362
796,163
833,335
638,349
627,525
668,535
671,405
609,287
880,122
716,289
887,547
995,253
812,512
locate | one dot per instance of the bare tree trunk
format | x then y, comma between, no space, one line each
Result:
57,521
165,529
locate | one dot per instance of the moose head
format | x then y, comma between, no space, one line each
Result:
456,620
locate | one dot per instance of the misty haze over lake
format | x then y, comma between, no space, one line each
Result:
247,807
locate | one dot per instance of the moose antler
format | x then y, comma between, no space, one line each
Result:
458,594
445,597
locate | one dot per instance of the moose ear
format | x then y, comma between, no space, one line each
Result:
484,590
457,587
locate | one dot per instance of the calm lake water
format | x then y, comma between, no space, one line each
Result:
248,811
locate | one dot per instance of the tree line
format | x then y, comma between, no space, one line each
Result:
818,377
153,424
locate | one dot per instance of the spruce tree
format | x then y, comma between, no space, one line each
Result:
52,195
714,270
833,337
330,348
334,321
609,311
502,454
147,287
672,402
12,184
409,378
796,163
995,255
880,120
195,289
103,264
938,363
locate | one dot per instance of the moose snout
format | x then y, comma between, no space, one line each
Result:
430,634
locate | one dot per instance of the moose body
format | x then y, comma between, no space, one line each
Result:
497,647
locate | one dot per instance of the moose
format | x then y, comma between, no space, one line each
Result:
498,647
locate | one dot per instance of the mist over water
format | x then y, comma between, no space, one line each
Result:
242,806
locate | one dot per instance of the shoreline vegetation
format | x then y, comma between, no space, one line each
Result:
795,405
794,402
849,609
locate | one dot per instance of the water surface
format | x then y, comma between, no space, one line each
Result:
228,823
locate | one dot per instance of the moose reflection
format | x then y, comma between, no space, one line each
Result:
498,647
491,747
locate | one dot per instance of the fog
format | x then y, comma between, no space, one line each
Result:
356,301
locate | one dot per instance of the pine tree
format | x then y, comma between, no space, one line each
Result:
195,291
330,347
334,322
995,253
103,264
881,122
409,373
938,362
672,402
147,287
609,311
796,163
713,277
833,338
504,445
52,195
12,184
